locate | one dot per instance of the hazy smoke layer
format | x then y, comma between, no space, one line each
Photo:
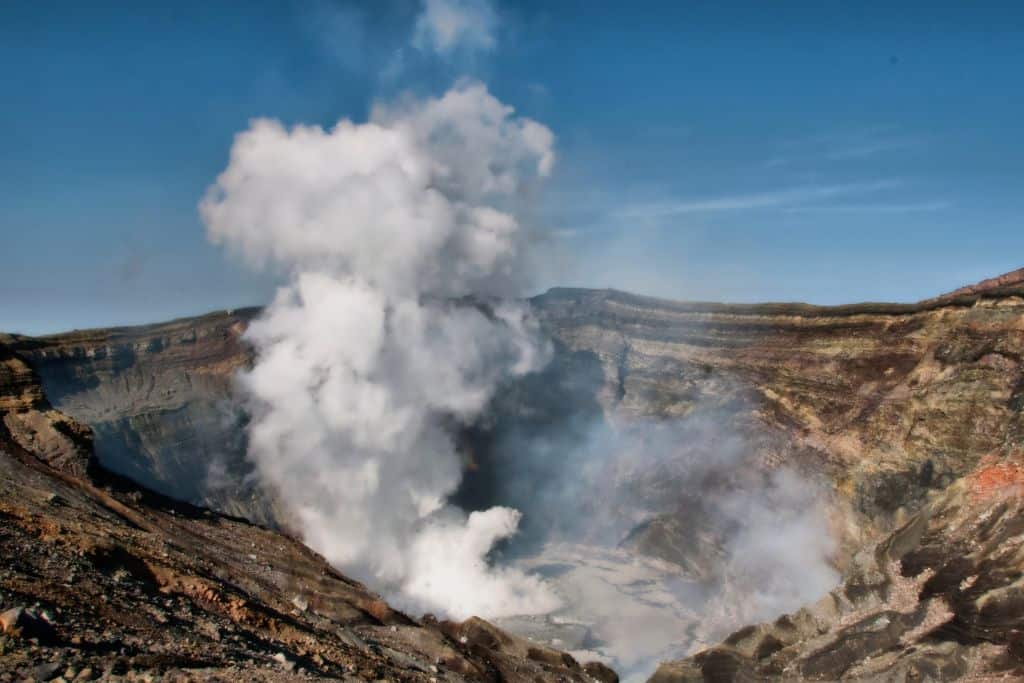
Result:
662,536
364,361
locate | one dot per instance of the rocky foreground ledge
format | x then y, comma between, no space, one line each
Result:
102,579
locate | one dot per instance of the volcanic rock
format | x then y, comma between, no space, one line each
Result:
881,403
26,623
601,672
141,586
30,420
159,401
1008,283
938,599
885,407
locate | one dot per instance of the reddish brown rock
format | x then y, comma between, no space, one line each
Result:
1006,283
27,418
881,402
885,405
19,622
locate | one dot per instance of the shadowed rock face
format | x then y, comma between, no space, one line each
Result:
159,401
103,575
938,599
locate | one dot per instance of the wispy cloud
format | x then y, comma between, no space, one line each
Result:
870,148
447,26
538,89
776,199
341,31
566,233
912,207
842,146
393,47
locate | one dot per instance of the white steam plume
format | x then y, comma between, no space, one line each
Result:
364,357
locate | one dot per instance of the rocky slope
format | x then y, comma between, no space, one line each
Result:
880,402
103,579
940,599
877,406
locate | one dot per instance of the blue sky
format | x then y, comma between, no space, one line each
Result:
826,152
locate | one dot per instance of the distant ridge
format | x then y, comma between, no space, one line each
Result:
1008,284
1014,280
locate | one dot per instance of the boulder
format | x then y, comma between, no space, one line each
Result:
20,622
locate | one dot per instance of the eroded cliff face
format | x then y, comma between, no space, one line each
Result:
160,403
877,403
29,420
881,403
878,406
104,579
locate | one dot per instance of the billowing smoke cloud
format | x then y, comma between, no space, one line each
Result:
402,242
